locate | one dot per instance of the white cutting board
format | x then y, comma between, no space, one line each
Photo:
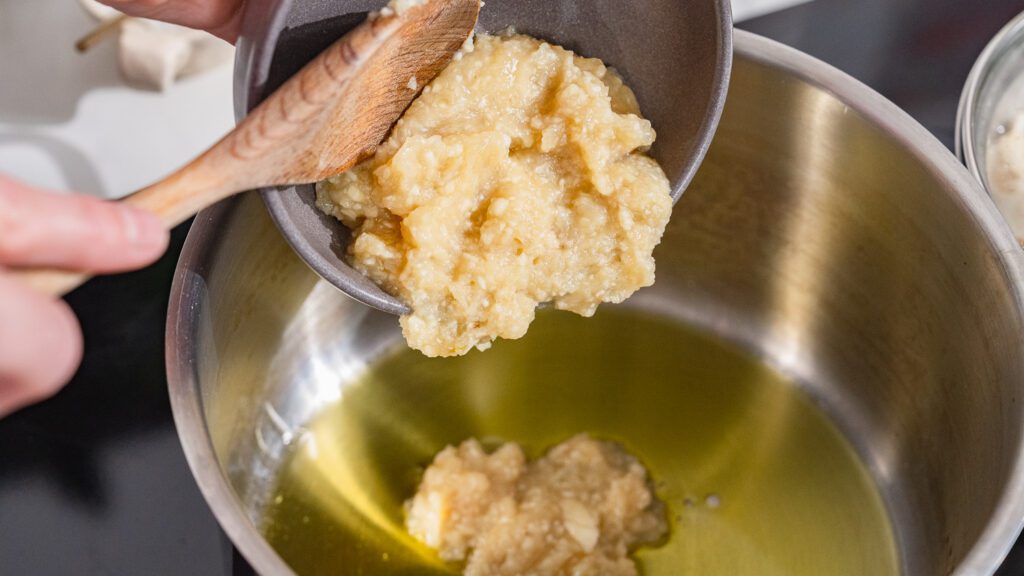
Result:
68,121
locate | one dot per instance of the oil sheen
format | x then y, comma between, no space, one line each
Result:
757,480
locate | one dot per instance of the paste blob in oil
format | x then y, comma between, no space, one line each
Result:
579,510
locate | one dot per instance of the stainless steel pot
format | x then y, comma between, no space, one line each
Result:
826,232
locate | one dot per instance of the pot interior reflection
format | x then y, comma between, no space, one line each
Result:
749,468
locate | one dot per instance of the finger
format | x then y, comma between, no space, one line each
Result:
221,18
40,345
74,232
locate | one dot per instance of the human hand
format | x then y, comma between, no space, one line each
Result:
40,340
221,18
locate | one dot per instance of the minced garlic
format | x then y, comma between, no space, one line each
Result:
578,510
517,178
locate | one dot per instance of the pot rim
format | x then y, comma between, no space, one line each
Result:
184,312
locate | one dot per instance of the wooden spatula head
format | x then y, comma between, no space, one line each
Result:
338,108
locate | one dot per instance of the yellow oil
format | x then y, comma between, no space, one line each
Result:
757,480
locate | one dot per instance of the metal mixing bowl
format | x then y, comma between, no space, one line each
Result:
992,97
826,232
675,55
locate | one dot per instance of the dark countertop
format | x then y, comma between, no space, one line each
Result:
94,480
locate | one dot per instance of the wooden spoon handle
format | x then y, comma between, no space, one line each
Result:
54,282
322,121
258,151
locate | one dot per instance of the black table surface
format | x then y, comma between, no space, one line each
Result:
94,481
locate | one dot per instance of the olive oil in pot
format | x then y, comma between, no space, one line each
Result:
757,480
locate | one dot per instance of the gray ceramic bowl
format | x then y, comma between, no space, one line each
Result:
676,55
827,234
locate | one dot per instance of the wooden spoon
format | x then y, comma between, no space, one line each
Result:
324,120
